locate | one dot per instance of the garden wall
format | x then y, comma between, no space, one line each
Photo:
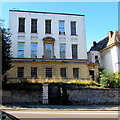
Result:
94,96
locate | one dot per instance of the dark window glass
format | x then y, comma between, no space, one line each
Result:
21,25
33,25
74,52
62,51
49,72
20,72
48,26
34,72
96,59
63,72
73,28
75,72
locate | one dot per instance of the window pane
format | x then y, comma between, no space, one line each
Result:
33,50
20,50
49,72
61,27
62,51
48,26
63,72
34,72
33,25
20,72
48,50
74,52
73,28
21,25
75,72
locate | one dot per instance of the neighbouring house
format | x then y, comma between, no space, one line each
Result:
47,45
106,52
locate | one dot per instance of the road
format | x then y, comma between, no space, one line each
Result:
64,114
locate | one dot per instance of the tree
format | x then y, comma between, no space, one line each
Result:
6,52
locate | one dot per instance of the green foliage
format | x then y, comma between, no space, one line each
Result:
110,80
6,52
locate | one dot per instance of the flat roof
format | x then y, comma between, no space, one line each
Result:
46,12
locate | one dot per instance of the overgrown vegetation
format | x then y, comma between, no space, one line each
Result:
109,80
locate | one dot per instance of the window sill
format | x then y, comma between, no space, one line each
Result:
21,32
74,35
34,33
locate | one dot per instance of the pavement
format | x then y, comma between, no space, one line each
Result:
60,108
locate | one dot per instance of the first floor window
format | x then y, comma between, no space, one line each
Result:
33,50
74,52
63,72
48,51
75,72
34,72
20,72
62,51
49,72
20,50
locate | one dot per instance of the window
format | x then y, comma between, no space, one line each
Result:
48,26
33,25
21,25
48,51
33,50
63,72
20,50
20,72
62,51
73,28
34,72
96,59
61,28
76,72
74,52
49,72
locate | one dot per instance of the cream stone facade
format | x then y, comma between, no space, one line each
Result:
49,45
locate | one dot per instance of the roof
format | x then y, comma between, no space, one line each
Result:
46,12
100,45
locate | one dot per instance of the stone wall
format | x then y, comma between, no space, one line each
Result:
22,97
94,96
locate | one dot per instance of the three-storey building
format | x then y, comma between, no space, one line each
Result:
48,45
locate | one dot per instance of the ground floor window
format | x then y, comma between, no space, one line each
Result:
91,73
20,72
34,72
63,72
76,72
49,72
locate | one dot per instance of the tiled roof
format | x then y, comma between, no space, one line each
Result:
100,45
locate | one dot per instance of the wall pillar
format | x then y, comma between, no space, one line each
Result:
45,93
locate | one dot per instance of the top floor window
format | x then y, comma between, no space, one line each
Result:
33,25
48,26
61,27
73,28
21,27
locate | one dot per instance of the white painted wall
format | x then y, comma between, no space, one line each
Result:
69,40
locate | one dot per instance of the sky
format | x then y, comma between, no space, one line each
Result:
100,17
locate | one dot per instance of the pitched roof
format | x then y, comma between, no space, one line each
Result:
100,45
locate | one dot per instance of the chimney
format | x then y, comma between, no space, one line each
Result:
110,34
94,43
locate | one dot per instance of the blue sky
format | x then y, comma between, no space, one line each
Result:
100,17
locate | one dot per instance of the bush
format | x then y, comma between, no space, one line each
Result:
110,80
